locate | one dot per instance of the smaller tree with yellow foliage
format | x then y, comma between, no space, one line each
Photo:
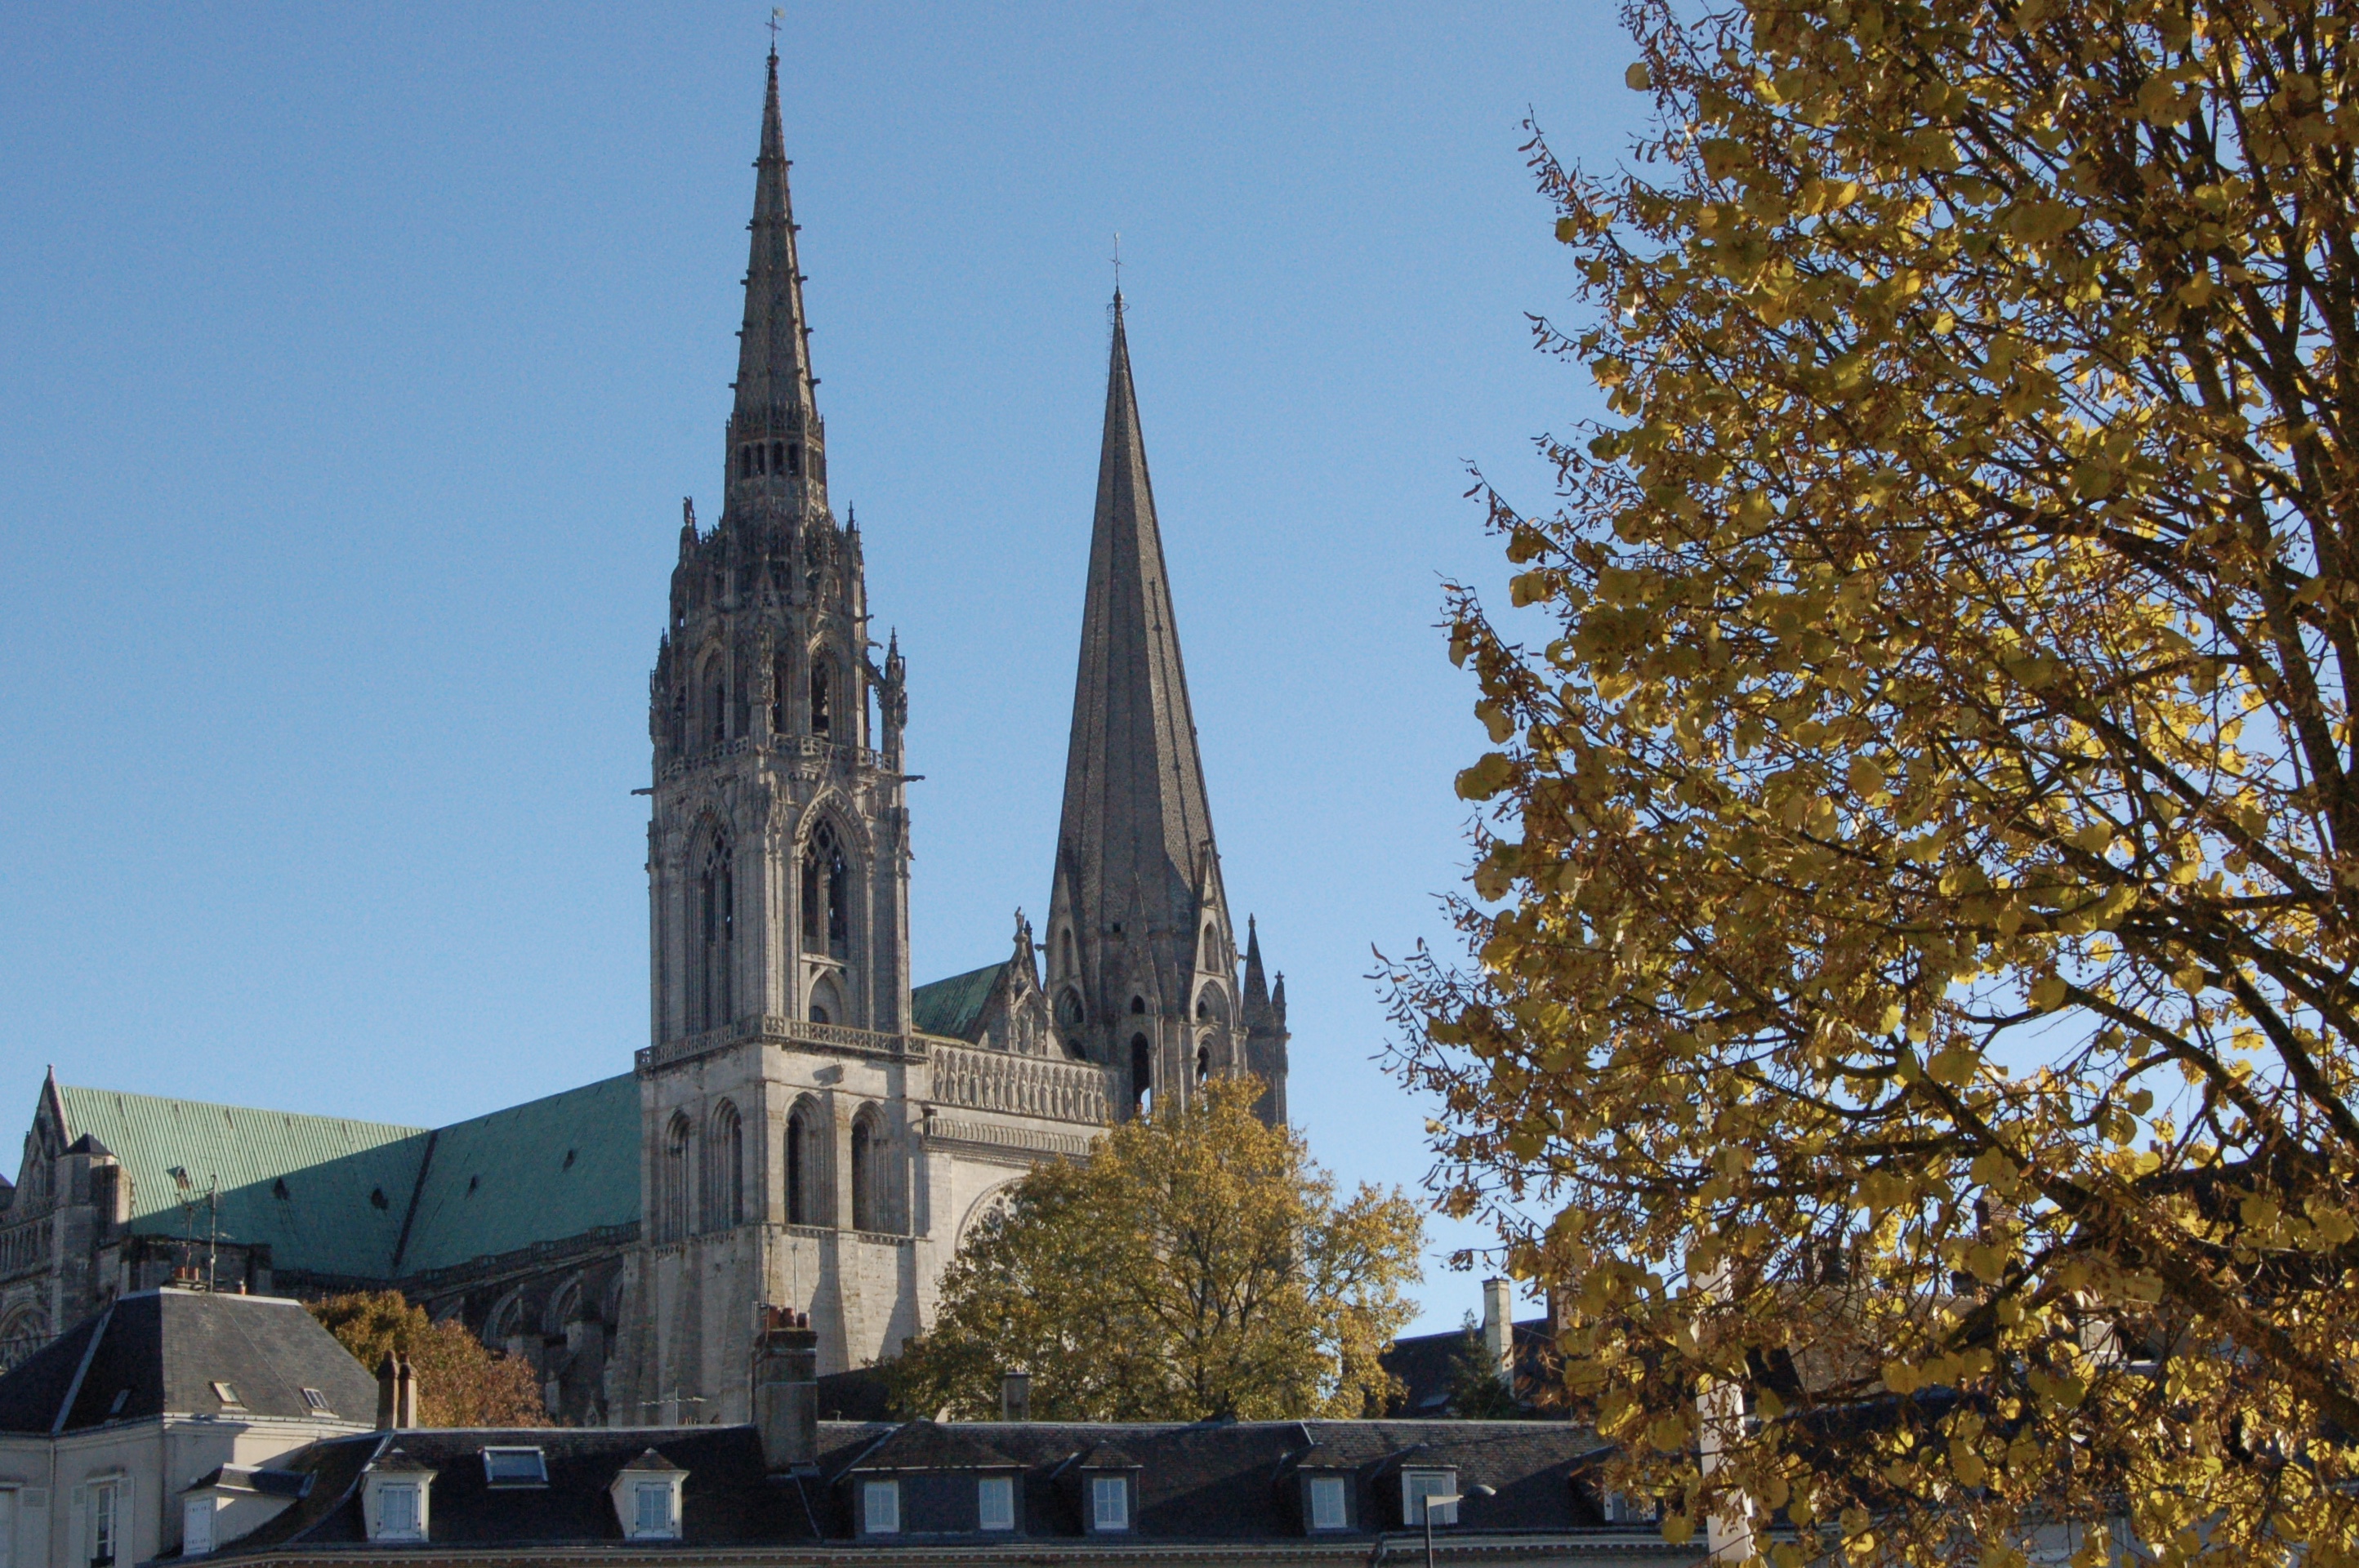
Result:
1195,1265
461,1382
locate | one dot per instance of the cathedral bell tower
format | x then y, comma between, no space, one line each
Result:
778,854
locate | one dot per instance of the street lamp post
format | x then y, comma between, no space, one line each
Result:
1447,1501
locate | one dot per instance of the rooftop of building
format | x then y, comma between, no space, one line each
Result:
186,1353
1208,1482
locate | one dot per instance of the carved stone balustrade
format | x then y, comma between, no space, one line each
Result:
1024,1086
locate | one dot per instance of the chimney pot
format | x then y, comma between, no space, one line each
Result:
388,1402
1015,1396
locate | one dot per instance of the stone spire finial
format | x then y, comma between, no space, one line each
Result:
775,443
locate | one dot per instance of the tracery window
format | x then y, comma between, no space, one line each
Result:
827,887
716,932
822,697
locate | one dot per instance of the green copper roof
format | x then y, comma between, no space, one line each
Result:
323,1193
331,1197
954,1006
538,1172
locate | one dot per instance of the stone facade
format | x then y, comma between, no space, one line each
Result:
803,1130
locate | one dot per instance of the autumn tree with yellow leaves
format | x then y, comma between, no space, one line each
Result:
1912,1018
461,1382
1196,1264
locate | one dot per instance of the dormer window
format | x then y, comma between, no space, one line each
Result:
1328,1503
1109,1502
394,1500
515,1468
646,1495
1418,1485
880,1508
995,1502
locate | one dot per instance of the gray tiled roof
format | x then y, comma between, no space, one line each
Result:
162,1351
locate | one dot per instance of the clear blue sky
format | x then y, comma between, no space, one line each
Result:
353,361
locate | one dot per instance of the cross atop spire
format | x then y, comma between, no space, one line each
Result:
776,448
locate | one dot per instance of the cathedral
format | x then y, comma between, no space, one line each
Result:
805,1128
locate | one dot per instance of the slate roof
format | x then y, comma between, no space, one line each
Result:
954,1007
930,1445
370,1200
1427,1365
1212,1482
727,1500
160,1352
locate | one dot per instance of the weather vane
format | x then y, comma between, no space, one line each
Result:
1117,263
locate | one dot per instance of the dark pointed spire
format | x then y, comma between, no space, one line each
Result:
775,445
1256,997
1136,824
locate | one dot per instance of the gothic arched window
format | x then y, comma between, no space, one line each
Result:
867,1161
716,706
678,1141
1142,1076
827,891
724,1170
822,697
805,1203
716,920
1204,1063
781,686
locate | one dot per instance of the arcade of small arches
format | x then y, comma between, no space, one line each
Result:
706,1183
706,715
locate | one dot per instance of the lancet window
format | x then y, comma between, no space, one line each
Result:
716,931
827,887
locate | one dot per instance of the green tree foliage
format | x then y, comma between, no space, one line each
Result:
460,1382
1476,1391
1924,829
1195,1264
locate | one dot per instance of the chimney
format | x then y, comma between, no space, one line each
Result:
1499,1328
1015,1396
389,1377
405,1400
786,1389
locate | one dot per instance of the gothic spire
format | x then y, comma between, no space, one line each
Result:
1255,1003
1137,837
774,431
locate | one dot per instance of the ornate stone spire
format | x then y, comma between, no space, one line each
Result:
777,447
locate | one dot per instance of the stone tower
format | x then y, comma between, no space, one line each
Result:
779,1114
778,854
1142,952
